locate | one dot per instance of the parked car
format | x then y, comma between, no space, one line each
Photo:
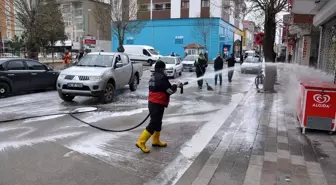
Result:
142,53
188,62
173,66
252,65
23,75
99,75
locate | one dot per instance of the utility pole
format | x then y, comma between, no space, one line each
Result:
151,18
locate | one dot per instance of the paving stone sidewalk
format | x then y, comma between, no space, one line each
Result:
261,144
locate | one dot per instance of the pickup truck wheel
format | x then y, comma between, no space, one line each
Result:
134,84
66,97
4,90
108,93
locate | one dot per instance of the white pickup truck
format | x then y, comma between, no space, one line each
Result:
99,74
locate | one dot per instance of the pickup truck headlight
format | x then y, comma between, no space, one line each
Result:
95,78
61,76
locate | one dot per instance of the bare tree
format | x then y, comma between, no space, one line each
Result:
202,29
123,18
270,8
102,14
35,17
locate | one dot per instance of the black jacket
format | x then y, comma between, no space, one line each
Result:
231,62
160,89
201,64
218,65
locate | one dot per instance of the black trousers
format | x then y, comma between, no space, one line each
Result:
230,74
156,112
199,73
220,77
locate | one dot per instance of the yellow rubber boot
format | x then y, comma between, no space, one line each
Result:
156,140
142,141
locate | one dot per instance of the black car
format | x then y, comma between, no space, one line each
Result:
23,75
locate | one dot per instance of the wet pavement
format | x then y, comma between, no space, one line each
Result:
60,150
233,135
261,144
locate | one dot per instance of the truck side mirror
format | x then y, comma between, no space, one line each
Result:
118,65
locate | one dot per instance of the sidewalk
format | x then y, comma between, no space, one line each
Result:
261,144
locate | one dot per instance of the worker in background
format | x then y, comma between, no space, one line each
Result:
231,63
218,66
66,59
200,66
160,91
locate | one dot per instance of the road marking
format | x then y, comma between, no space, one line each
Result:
68,154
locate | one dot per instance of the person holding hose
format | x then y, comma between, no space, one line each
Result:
200,66
160,91
218,65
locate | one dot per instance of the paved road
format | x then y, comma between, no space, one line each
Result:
60,150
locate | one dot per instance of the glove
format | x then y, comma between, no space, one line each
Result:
174,87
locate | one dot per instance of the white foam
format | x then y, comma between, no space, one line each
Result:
30,142
98,116
94,144
42,118
172,173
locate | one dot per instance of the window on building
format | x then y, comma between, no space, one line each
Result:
205,3
78,12
66,9
143,7
79,26
185,4
158,7
168,6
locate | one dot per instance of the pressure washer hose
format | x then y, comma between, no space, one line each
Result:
72,113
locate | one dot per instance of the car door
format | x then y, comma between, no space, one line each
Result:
41,77
127,69
17,72
179,65
118,71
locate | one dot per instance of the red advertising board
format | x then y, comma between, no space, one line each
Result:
89,42
316,105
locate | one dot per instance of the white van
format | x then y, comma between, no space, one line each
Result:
142,53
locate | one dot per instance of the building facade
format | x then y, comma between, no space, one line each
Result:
171,24
7,25
84,18
166,38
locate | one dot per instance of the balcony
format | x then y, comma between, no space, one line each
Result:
307,6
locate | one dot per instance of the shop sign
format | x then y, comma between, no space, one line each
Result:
179,39
305,46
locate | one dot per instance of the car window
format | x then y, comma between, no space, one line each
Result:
15,65
33,65
124,59
96,61
145,52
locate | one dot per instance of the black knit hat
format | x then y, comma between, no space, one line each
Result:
159,66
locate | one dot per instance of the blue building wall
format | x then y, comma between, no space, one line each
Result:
164,36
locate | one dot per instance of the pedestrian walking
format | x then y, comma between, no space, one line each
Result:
66,59
160,91
230,63
200,66
218,65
